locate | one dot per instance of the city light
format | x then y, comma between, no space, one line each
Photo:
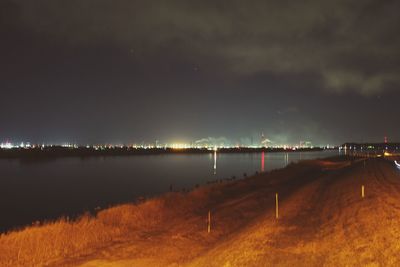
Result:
6,145
9,145
179,146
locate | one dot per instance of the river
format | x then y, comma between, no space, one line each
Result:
39,190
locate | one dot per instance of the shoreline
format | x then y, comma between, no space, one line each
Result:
61,152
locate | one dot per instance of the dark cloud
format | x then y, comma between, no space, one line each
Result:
351,45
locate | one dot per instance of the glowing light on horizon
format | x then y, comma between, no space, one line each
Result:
180,146
6,145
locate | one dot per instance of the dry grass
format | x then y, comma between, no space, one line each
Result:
43,244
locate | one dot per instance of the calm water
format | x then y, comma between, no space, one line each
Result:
42,190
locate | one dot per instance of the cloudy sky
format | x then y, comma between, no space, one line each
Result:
92,71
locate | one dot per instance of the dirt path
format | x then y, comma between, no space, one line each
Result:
323,221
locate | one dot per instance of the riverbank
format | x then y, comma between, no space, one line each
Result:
322,220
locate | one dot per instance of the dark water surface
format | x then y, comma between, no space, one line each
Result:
47,189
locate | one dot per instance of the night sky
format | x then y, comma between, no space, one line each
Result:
100,71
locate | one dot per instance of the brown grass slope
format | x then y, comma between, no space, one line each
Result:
323,221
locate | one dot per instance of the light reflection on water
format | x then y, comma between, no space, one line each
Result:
38,190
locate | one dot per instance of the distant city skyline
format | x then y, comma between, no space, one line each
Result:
250,140
200,143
